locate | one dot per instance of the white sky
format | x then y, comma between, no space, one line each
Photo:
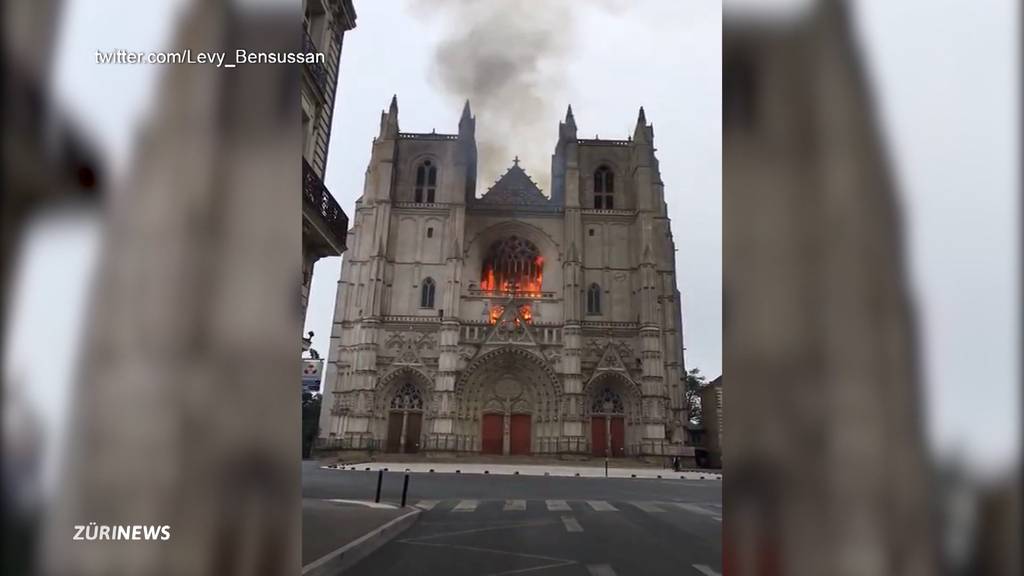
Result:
945,72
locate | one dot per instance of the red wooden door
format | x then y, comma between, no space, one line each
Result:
597,435
519,434
394,432
618,436
492,434
413,426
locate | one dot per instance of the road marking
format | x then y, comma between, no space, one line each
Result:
466,506
571,524
427,504
514,505
602,506
647,506
366,503
558,506
705,570
600,570
698,510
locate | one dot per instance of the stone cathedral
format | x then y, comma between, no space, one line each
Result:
516,322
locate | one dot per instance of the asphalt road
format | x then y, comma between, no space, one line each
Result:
477,524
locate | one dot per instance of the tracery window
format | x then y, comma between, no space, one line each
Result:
512,264
427,293
594,299
407,398
607,401
604,189
426,182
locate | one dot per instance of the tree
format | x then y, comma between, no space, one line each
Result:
694,382
310,421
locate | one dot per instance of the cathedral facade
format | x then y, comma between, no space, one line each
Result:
515,322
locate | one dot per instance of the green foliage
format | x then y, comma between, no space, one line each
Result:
694,382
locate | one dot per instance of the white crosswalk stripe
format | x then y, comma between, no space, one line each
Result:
699,510
558,505
514,505
602,506
571,524
427,504
466,506
706,570
648,506
600,570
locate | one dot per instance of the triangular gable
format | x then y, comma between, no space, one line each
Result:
510,328
515,187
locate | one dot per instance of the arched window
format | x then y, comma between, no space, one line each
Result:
607,401
427,293
426,182
513,264
604,189
407,398
594,299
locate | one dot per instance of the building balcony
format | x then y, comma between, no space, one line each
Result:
324,223
321,78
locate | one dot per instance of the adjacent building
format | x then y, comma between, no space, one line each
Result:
516,322
712,420
324,223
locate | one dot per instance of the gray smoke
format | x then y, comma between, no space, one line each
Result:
509,59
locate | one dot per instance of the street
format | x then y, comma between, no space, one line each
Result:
487,524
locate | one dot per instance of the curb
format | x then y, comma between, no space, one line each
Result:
348,555
648,475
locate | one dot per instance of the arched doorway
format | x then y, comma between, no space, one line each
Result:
405,420
508,403
612,407
608,424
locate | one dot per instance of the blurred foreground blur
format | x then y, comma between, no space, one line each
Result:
181,412
827,465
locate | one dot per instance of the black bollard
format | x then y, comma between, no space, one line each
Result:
605,467
380,480
405,489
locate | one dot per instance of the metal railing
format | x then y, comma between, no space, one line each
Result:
316,69
316,197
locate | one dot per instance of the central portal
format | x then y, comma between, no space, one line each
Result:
508,403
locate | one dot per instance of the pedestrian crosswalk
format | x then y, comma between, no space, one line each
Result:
708,510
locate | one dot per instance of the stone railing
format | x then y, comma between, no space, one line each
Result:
504,295
601,142
426,136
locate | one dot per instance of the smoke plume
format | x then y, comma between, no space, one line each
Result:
509,59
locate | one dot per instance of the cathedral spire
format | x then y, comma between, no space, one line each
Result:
643,132
389,120
467,113
570,120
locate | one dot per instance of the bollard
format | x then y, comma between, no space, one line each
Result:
405,489
605,467
380,480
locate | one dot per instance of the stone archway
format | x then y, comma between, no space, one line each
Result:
613,406
508,402
402,410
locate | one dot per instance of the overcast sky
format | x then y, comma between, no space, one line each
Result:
945,71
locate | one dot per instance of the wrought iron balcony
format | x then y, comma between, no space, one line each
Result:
317,71
323,211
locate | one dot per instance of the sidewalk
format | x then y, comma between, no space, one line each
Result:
337,534
588,470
